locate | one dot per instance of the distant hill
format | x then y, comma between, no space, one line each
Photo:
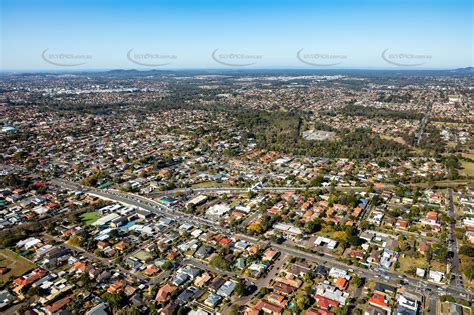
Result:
138,73
135,72
467,69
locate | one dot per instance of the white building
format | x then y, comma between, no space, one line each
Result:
218,210
324,241
436,276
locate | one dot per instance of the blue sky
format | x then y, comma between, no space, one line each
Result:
98,34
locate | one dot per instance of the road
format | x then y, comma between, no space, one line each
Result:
432,301
204,266
453,259
392,278
95,258
250,218
260,283
423,122
235,190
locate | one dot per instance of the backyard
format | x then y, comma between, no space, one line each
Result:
89,217
16,265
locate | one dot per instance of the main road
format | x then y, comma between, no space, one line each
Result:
393,278
238,190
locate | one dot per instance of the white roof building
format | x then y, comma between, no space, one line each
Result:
197,200
218,210
106,219
420,272
436,276
321,241
287,228
338,273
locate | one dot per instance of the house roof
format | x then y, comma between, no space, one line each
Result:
382,287
432,216
269,254
265,306
164,292
378,299
56,306
169,309
325,303
372,310
342,283
283,288
28,279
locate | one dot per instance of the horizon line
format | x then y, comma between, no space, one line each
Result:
227,69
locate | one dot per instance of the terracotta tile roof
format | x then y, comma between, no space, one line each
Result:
283,288
80,265
262,305
164,293
151,270
432,216
342,283
117,286
28,279
225,241
121,245
378,299
325,303
56,306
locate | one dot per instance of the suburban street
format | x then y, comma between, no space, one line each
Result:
393,278
423,122
95,258
453,259
263,157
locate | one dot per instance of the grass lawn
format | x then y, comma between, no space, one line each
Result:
16,264
203,297
407,263
143,255
209,184
469,155
90,217
62,268
467,263
467,168
438,266
396,139
442,183
370,285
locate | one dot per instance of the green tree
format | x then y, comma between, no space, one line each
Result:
466,250
303,302
239,288
220,263
357,281
312,226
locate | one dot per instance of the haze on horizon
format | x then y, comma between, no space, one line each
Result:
368,34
